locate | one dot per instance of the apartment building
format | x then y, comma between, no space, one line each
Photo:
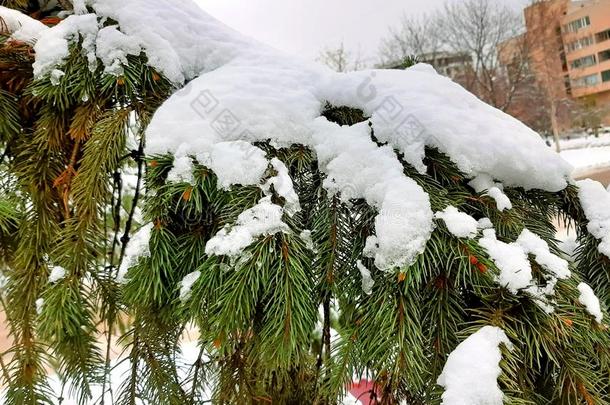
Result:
568,50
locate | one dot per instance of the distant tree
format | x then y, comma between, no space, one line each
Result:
475,27
415,36
341,59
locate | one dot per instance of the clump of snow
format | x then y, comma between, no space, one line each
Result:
533,244
515,268
265,218
588,298
182,171
57,273
305,235
459,223
113,47
595,202
470,375
483,182
367,280
39,304
484,223
137,247
52,48
357,168
236,162
282,184
187,284
181,41
20,26
511,260
56,76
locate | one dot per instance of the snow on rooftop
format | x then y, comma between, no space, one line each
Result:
471,372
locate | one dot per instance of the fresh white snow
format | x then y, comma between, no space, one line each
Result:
57,273
470,375
265,218
595,202
187,284
515,268
588,298
367,280
244,92
137,247
20,26
459,223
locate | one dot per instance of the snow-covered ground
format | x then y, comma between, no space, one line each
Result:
586,159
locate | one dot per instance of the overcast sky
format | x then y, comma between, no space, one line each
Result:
307,26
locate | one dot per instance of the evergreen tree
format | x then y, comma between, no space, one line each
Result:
293,318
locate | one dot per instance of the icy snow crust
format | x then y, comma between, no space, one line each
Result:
244,92
471,372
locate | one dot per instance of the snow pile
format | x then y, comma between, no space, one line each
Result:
472,369
587,160
57,273
136,248
459,223
244,92
20,26
187,284
515,269
595,201
511,260
265,218
367,280
52,48
113,47
588,298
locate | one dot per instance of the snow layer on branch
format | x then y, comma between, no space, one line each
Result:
137,247
470,375
247,92
113,47
236,162
515,269
511,260
590,301
52,48
459,223
20,26
186,285
180,40
595,201
265,218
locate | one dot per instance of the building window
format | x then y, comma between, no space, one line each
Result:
606,76
577,24
579,44
602,36
583,62
586,81
604,56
